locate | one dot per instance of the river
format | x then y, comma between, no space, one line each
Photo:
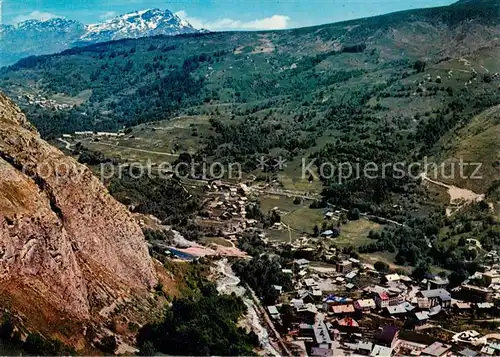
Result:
229,283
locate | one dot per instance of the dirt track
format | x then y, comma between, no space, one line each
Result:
458,196
139,150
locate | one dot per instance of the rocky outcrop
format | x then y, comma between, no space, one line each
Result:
65,243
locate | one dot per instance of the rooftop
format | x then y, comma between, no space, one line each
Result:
302,261
485,305
436,349
348,322
397,309
310,282
492,274
363,346
342,309
463,305
321,352
468,352
422,315
381,351
365,303
351,275
392,277
321,333
440,293
440,281
273,310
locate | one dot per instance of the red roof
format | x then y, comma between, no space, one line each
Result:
348,322
383,295
342,309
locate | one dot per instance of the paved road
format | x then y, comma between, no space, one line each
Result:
139,150
281,344
66,143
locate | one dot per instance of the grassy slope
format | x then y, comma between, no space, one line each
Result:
478,142
156,141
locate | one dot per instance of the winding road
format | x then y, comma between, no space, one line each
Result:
66,143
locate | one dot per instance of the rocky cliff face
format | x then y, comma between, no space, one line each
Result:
65,244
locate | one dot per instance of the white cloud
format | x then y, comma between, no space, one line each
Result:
275,22
108,15
35,15
182,14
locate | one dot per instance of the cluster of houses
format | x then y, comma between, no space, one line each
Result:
351,309
483,287
89,134
46,103
492,257
225,209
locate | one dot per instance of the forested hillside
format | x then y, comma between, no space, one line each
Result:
305,71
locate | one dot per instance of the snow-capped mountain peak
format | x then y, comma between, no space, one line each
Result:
138,13
58,24
35,37
136,24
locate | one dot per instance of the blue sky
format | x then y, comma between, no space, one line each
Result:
215,14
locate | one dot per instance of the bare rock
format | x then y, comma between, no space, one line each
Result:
65,244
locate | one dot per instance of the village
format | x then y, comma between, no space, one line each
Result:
339,304
43,102
356,310
350,307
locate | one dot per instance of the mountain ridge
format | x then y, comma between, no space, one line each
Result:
36,37
144,23
183,75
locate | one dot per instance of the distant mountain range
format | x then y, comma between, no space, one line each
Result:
35,37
